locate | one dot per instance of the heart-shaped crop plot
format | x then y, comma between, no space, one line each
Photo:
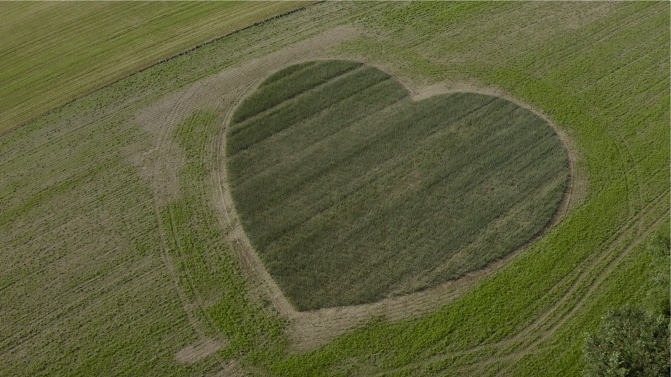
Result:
350,191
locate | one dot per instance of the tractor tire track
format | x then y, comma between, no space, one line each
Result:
165,179
523,342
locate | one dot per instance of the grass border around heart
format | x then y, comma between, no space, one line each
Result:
341,318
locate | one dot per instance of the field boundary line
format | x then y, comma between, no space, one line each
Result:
161,61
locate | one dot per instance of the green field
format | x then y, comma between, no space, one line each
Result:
118,257
51,53
351,192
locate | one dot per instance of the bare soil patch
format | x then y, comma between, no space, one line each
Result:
200,350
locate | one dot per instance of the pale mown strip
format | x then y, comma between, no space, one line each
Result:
53,52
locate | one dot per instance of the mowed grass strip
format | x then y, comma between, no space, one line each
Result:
51,53
352,192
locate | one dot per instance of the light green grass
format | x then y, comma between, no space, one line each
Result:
85,289
51,53
352,192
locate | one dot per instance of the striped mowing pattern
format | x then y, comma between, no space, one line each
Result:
352,192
